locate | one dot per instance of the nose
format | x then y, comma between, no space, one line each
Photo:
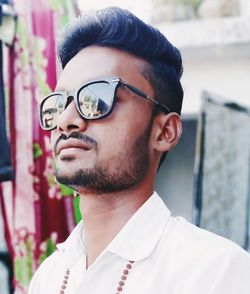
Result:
70,119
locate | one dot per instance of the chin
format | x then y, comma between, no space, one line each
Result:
73,163
65,178
69,175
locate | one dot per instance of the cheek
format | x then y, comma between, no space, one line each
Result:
53,139
113,139
120,137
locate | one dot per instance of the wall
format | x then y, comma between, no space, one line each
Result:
174,181
228,77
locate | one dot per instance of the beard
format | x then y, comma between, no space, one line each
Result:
129,168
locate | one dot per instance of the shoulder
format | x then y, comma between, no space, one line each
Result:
67,253
45,270
200,240
220,263
203,261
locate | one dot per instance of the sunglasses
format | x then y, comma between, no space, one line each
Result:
94,100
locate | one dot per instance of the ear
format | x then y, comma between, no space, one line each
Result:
167,131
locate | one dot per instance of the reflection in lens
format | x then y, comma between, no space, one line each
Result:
51,108
95,100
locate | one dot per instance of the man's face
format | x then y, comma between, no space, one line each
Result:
110,154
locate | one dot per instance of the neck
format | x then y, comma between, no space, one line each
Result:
105,215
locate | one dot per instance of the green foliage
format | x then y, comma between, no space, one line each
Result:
76,203
50,248
40,65
65,191
66,9
23,264
22,35
37,150
195,3
56,4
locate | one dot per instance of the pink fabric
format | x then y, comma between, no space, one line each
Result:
36,214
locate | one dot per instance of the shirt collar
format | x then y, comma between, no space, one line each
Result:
73,246
137,238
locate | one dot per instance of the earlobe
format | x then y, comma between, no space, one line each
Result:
168,131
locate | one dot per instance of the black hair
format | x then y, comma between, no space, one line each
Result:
118,28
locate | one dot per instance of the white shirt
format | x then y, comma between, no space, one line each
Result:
170,255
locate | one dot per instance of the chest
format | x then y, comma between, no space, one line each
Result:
159,273
113,275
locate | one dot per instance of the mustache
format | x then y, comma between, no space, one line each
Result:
86,139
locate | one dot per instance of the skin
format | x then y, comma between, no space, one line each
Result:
105,213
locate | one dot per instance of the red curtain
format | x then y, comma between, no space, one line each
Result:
36,212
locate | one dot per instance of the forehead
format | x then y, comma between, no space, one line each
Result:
97,62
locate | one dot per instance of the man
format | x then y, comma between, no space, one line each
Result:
114,115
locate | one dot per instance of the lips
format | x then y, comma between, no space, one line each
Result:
71,143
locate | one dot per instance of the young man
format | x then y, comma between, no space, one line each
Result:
114,115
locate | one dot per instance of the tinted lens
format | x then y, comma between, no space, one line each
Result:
50,110
95,100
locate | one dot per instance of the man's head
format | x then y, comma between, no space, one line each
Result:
118,28
119,150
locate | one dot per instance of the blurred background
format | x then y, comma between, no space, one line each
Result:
206,178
